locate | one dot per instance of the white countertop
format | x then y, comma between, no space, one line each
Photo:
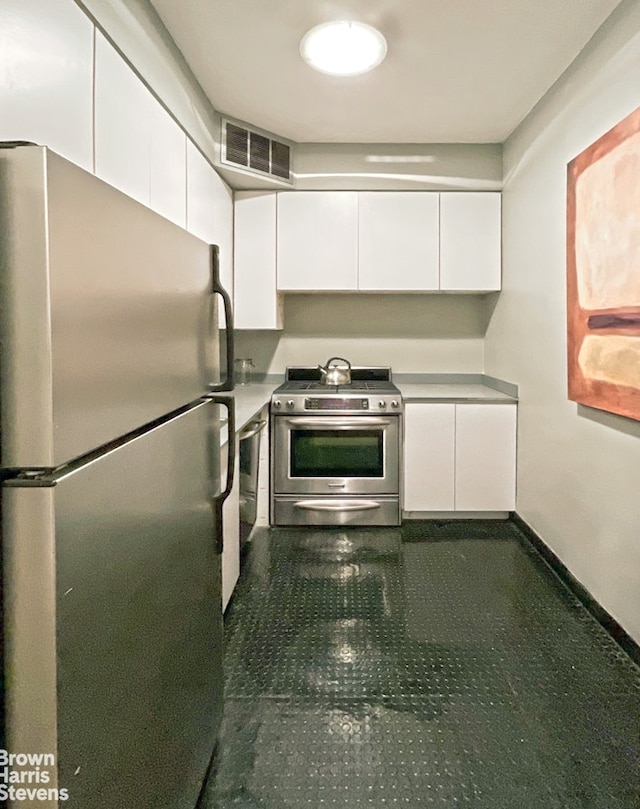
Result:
435,392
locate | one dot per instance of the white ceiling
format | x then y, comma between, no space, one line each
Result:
457,71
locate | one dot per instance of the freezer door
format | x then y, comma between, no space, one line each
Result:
109,311
138,618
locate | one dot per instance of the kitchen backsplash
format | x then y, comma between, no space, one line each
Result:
410,333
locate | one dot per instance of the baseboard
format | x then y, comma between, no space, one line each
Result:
607,621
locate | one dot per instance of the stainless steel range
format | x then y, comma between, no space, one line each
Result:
335,456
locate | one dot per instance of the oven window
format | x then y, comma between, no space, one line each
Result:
337,453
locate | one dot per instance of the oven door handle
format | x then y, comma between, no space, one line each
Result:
337,505
333,423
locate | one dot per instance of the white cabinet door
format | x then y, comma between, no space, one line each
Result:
485,457
210,210
398,238
123,112
317,240
470,241
168,166
46,77
256,298
429,457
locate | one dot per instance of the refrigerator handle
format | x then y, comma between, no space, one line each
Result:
218,502
218,289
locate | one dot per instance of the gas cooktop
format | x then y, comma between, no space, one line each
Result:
370,391
355,385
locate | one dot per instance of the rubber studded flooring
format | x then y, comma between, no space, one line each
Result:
441,664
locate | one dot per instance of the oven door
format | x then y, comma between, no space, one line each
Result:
336,454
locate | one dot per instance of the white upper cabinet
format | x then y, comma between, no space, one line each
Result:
470,255
138,146
256,300
393,241
210,210
168,166
123,113
46,84
398,239
317,240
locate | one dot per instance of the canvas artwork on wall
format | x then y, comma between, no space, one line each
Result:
603,271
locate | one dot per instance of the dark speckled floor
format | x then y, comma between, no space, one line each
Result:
441,664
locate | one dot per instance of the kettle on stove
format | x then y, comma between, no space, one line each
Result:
336,374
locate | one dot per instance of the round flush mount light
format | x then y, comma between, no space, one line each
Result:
343,48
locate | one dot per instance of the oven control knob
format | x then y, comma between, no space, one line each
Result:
277,404
395,403
382,403
290,404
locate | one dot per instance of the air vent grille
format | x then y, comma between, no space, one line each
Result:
280,159
237,145
255,151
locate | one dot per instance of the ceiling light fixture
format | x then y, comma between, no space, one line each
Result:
343,48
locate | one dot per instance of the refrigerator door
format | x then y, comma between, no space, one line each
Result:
109,311
113,600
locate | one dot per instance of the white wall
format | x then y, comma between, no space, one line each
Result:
578,468
411,333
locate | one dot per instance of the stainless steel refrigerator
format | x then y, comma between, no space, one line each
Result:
111,490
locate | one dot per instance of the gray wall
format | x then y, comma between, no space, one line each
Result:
578,468
411,333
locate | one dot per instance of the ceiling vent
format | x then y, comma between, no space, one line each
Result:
256,152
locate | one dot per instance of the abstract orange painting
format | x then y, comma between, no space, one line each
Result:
603,271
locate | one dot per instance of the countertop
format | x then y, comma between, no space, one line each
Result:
250,399
451,392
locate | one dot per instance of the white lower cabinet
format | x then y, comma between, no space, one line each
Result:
459,457
485,457
429,462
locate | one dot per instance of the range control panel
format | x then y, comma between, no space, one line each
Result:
336,404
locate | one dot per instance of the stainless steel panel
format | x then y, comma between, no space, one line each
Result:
338,423
26,405
283,483
111,321
28,529
139,619
249,469
336,511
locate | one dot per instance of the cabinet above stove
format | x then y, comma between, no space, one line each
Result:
362,242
